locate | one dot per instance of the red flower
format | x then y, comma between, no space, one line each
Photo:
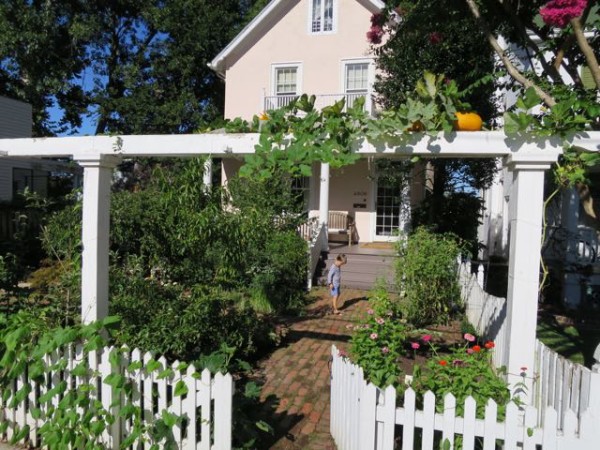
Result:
443,362
558,13
435,37
489,344
375,34
523,369
378,19
476,348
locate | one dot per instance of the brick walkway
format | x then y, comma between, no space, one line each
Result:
296,377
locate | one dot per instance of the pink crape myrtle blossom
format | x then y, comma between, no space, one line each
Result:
375,34
469,337
558,13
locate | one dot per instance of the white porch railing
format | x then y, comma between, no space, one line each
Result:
279,101
317,244
365,417
207,406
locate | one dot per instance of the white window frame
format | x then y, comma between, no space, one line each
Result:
275,67
334,25
370,73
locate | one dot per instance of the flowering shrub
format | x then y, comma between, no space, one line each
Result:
378,344
558,13
466,371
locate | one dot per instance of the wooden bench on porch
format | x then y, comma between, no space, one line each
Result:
341,226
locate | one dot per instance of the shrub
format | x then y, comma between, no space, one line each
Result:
466,371
426,277
378,344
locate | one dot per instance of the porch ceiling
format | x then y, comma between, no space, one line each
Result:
462,144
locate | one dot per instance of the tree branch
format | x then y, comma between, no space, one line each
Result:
587,51
510,67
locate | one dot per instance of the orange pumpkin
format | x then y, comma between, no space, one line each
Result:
468,122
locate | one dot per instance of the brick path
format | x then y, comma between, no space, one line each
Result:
296,387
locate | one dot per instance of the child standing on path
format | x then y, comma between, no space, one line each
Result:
334,279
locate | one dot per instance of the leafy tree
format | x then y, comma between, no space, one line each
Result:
137,67
441,37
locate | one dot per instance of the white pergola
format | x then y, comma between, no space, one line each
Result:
527,157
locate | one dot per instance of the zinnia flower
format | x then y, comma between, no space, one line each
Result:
379,320
385,350
426,338
489,345
415,345
458,362
373,336
443,362
558,13
469,337
476,348
469,351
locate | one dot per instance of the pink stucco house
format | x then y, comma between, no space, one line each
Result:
317,47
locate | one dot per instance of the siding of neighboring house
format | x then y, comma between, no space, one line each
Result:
320,56
15,118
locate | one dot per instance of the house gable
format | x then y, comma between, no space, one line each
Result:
278,49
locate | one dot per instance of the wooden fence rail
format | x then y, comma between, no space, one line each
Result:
206,407
365,417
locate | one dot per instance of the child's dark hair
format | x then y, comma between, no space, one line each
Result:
341,258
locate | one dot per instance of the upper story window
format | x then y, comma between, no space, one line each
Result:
322,16
356,77
286,80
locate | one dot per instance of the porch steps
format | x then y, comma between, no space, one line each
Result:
363,268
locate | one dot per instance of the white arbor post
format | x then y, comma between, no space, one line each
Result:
324,195
526,207
97,176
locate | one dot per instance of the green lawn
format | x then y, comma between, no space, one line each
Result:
576,345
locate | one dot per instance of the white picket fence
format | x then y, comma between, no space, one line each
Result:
561,384
207,406
484,311
365,417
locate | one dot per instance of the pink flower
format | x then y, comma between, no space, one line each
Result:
469,351
385,350
523,369
426,338
415,345
373,336
370,312
558,13
375,34
379,320
435,38
469,337
342,353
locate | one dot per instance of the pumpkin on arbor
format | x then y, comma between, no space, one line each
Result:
468,122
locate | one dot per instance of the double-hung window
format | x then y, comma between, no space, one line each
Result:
286,84
286,80
356,81
322,16
356,78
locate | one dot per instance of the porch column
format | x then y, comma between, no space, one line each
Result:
526,205
324,195
207,177
97,176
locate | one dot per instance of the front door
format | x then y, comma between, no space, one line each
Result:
392,209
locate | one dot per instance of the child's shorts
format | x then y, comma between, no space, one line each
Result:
335,291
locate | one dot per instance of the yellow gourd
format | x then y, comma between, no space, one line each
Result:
468,122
